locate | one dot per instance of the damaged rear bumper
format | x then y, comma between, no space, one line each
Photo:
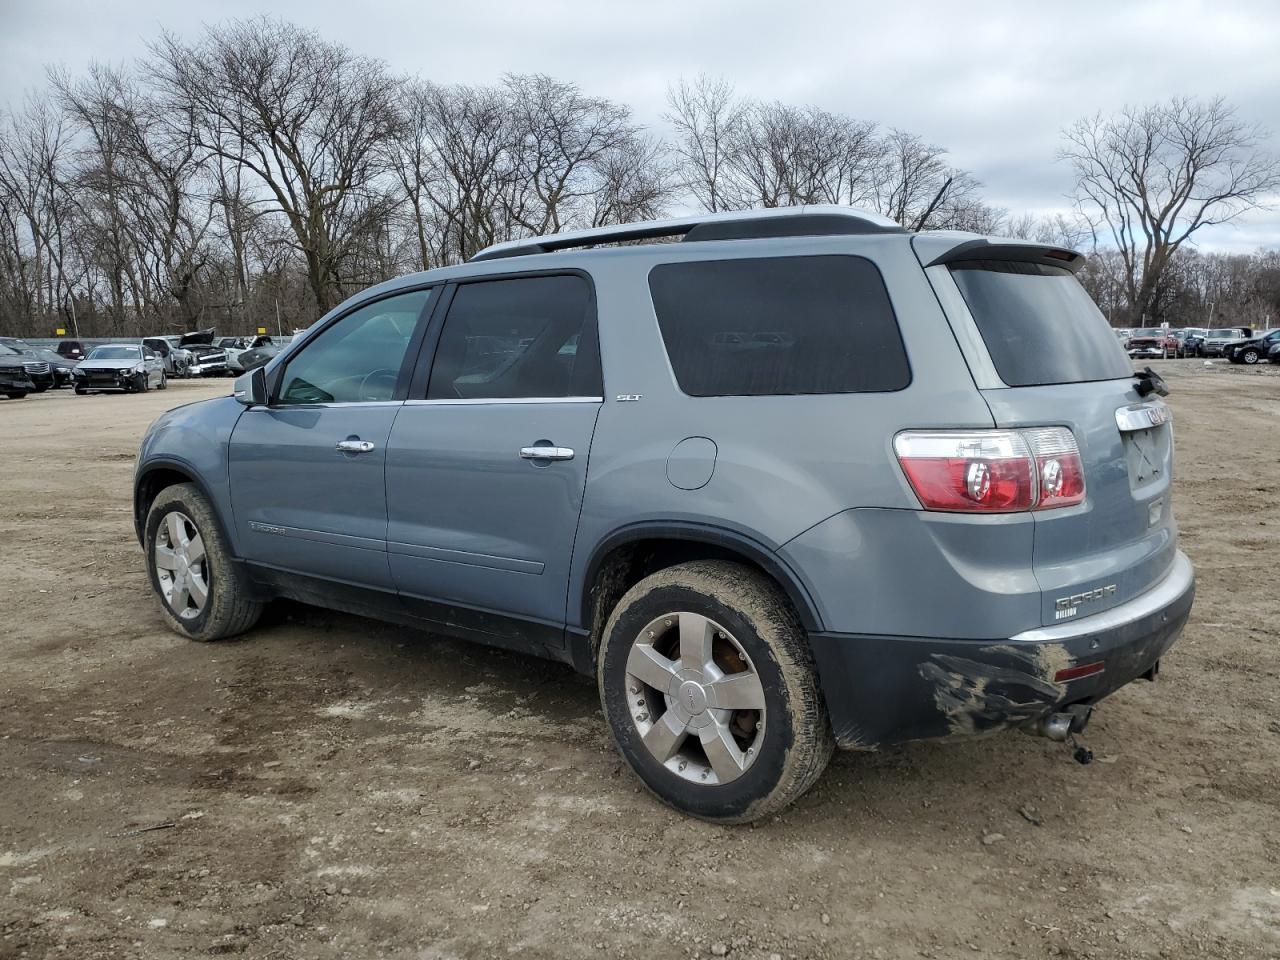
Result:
884,690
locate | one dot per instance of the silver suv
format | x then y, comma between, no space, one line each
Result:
801,480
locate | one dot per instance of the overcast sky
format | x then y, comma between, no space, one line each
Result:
993,82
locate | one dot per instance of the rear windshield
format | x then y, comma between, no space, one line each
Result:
1039,324
778,326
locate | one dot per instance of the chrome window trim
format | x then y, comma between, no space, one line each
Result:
323,406
478,401
965,328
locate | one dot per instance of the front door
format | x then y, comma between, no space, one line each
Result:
486,469
307,470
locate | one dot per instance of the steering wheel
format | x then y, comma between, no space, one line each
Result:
382,374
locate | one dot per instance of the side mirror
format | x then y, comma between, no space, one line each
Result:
251,388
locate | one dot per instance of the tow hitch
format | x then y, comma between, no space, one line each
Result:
1064,725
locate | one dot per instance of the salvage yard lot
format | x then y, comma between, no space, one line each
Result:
330,787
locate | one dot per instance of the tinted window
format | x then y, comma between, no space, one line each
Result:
784,325
1039,324
528,337
358,358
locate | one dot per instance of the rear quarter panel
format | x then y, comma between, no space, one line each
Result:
782,464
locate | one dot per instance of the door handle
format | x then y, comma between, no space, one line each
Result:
546,453
355,446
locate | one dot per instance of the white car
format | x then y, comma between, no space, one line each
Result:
130,367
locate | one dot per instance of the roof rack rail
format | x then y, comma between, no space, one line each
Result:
806,221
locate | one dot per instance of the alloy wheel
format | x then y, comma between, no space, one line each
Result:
695,698
182,567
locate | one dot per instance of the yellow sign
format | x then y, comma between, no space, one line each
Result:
60,332
262,329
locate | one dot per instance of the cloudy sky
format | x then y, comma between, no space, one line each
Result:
994,82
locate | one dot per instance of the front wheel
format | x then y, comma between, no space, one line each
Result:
80,391
709,688
202,593
17,395
164,381
1250,356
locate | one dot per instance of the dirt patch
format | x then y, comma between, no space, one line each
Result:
341,788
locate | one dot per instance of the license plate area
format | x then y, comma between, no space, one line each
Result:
1147,454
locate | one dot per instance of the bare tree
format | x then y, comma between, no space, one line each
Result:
564,137
706,116
33,209
1151,176
919,189
306,116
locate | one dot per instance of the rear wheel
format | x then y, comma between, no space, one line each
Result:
204,595
164,381
17,395
709,688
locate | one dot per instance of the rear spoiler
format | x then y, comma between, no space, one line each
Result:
976,250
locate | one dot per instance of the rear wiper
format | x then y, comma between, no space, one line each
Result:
1150,382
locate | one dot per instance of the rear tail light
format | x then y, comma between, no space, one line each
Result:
992,471
1059,472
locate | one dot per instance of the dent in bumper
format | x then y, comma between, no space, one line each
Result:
884,690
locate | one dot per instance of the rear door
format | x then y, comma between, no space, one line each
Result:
487,462
1043,355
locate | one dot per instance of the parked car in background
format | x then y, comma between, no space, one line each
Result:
130,367
1151,343
15,382
1184,335
1216,342
60,366
206,359
36,367
174,357
235,346
1252,350
73,349
255,357
793,483
1274,353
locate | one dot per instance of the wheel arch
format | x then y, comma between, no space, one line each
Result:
154,477
632,552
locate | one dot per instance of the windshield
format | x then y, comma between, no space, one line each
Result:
115,352
1147,332
1039,324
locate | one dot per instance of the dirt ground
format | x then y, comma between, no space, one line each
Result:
329,787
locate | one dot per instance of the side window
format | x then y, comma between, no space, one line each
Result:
527,337
778,326
358,358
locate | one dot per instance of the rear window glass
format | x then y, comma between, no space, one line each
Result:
779,326
1039,324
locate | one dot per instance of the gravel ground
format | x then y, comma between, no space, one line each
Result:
330,787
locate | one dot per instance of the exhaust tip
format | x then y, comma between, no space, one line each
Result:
1056,726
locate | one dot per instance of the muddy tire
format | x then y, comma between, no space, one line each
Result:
709,688
203,594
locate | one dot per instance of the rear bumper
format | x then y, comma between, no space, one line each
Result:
884,690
